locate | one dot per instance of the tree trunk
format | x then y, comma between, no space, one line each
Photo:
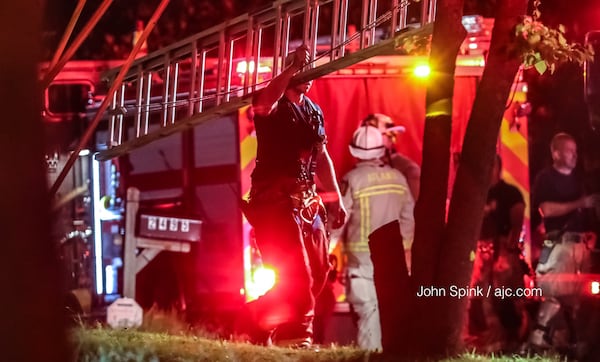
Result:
430,210
393,287
473,175
30,307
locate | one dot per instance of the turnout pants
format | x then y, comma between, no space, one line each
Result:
363,297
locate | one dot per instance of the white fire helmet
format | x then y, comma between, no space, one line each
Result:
367,143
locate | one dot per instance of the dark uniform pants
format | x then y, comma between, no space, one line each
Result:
297,250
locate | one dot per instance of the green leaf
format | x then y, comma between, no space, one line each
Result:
541,67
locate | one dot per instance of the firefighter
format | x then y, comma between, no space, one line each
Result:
409,168
287,214
374,194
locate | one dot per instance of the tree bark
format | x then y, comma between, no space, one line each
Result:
473,175
393,287
30,308
430,210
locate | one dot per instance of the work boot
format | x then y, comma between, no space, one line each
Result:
246,329
293,335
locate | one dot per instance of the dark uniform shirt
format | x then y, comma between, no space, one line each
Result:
553,186
502,197
286,141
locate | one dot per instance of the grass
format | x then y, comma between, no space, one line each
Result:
163,337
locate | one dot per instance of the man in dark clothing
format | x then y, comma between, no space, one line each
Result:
504,212
287,214
559,196
499,264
